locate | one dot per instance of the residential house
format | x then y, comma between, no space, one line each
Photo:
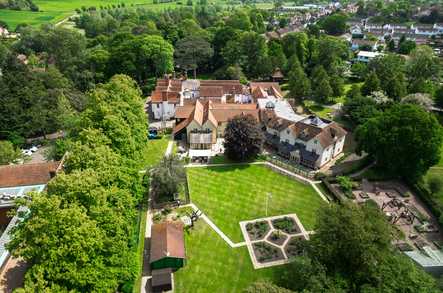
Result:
204,127
363,44
165,98
172,93
312,142
366,56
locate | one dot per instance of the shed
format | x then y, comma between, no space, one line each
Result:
277,76
167,246
161,280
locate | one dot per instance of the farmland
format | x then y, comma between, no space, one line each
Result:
53,11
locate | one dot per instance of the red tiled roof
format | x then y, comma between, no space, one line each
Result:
167,240
211,91
27,174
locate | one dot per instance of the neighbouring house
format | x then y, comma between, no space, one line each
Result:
312,142
165,98
167,246
364,44
15,182
203,124
171,93
366,56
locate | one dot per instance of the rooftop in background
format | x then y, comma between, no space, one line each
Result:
282,108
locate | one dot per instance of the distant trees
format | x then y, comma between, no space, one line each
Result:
33,102
243,138
334,24
405,140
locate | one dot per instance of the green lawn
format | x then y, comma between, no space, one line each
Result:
213,266
13,18
230,194
156,150
53,11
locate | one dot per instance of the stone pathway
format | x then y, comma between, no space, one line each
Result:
169,148
215,228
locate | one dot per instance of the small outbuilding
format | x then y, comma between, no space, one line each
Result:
161,280
167,246
277,76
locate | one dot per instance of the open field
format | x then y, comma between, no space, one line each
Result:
213,266
53,11
437,171
230,194
13,18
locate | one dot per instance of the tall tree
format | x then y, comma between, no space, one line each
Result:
299,83
322,90
405,140
334,24
371,84
192,52
243,138
423,69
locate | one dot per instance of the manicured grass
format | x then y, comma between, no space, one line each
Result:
52,11
230,194
13,18
319,110
156,150
213,266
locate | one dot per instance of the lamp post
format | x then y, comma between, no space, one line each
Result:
268,196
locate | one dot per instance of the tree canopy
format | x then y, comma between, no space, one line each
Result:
243,138
405,140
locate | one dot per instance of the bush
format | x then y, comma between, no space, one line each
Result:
435,184
346,184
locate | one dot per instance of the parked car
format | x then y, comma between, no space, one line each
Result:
152,133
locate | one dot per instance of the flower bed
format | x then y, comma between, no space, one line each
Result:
265,252
286,224
277,237
257,230
295,246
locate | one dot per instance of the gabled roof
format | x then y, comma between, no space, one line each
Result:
27,174
215,113
184,111
167,240
264,85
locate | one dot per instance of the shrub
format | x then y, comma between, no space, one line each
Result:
435,184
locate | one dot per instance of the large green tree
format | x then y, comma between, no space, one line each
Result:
405,140
192,52
299,83
8,152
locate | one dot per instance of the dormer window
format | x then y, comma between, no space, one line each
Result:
287,131
315,141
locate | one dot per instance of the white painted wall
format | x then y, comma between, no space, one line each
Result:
163,108
287,136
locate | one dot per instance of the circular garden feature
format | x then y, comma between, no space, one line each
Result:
265,252
286,224
257,230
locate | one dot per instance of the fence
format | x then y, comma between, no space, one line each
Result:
290,166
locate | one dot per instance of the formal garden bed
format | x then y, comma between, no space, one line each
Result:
257,230
295,246
265,252
274,240
286,224
277,237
